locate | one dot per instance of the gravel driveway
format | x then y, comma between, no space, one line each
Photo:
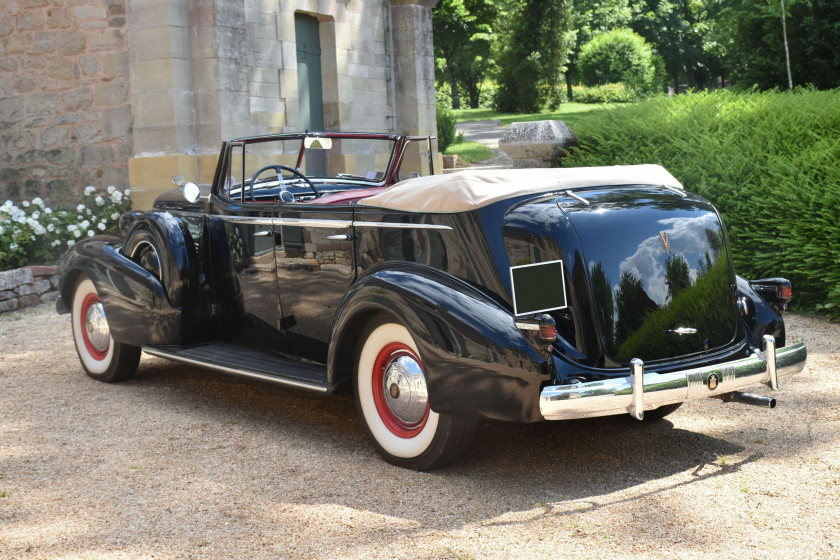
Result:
181,463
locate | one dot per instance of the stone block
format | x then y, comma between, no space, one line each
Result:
536,144
35,287
53,135
87,132
30,21
23,83
89,65
61,189
62,70
49,297
29,300
115,65
41,270
70,43
15,45
9,305
59,18
77,99
108,40
7,64
7,294
100,155
11,108
55,280
116,176
43,104
116,22
113,93
43,42
61,155
118,122
6,28
11,279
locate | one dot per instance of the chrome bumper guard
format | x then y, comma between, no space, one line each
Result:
642,391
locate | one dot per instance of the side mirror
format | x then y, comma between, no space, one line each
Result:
191,192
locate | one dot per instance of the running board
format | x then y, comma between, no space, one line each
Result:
232,358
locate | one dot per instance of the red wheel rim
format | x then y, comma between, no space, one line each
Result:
89,301
395,425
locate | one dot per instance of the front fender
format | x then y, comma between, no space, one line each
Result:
477,362
135,302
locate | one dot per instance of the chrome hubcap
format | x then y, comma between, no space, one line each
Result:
405,390
97,327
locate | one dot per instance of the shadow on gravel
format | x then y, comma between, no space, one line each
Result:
563,467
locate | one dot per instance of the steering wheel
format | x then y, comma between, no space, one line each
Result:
279,169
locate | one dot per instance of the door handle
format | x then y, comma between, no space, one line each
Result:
340,237
266,233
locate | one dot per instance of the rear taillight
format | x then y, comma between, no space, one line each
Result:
775,291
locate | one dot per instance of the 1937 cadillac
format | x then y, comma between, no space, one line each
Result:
438,300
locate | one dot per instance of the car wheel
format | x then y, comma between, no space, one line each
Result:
393,403
103,358
142,247
661,412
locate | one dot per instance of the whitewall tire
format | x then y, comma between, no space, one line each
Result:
393,403
102,357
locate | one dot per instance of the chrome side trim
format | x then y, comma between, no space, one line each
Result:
400,225
620,395
247,220
307,222
299,222
241,372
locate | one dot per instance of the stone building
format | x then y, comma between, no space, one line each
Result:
132,92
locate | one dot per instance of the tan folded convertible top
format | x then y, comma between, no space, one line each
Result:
468,190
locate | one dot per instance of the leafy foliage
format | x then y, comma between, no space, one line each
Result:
606,93
445,127
618,56
769,161
463,31
754,42
36,233
533,55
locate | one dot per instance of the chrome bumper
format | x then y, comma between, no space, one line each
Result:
642,391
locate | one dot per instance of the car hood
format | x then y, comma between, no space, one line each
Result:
647,267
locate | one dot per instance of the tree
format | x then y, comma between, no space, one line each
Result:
682,34
588,19
463,31
618,56
755,51
533,53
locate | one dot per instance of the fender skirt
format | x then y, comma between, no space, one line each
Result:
136,304
477,363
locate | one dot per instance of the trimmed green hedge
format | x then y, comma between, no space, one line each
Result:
769,161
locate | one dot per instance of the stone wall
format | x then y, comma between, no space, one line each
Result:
65,117
27,287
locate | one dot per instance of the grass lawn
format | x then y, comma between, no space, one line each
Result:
569,113
471,152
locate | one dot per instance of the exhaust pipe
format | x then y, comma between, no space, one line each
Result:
749,398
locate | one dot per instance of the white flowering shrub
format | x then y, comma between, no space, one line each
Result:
34,233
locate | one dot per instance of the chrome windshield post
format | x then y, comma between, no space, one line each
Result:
770,358
637,405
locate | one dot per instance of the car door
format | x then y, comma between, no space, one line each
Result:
315,267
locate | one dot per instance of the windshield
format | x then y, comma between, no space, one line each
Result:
363,161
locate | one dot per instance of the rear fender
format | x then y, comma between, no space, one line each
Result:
758,316
135,302
477,363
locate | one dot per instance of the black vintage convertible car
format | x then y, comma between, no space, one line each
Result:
437,300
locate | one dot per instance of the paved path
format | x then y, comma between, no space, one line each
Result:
487,133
